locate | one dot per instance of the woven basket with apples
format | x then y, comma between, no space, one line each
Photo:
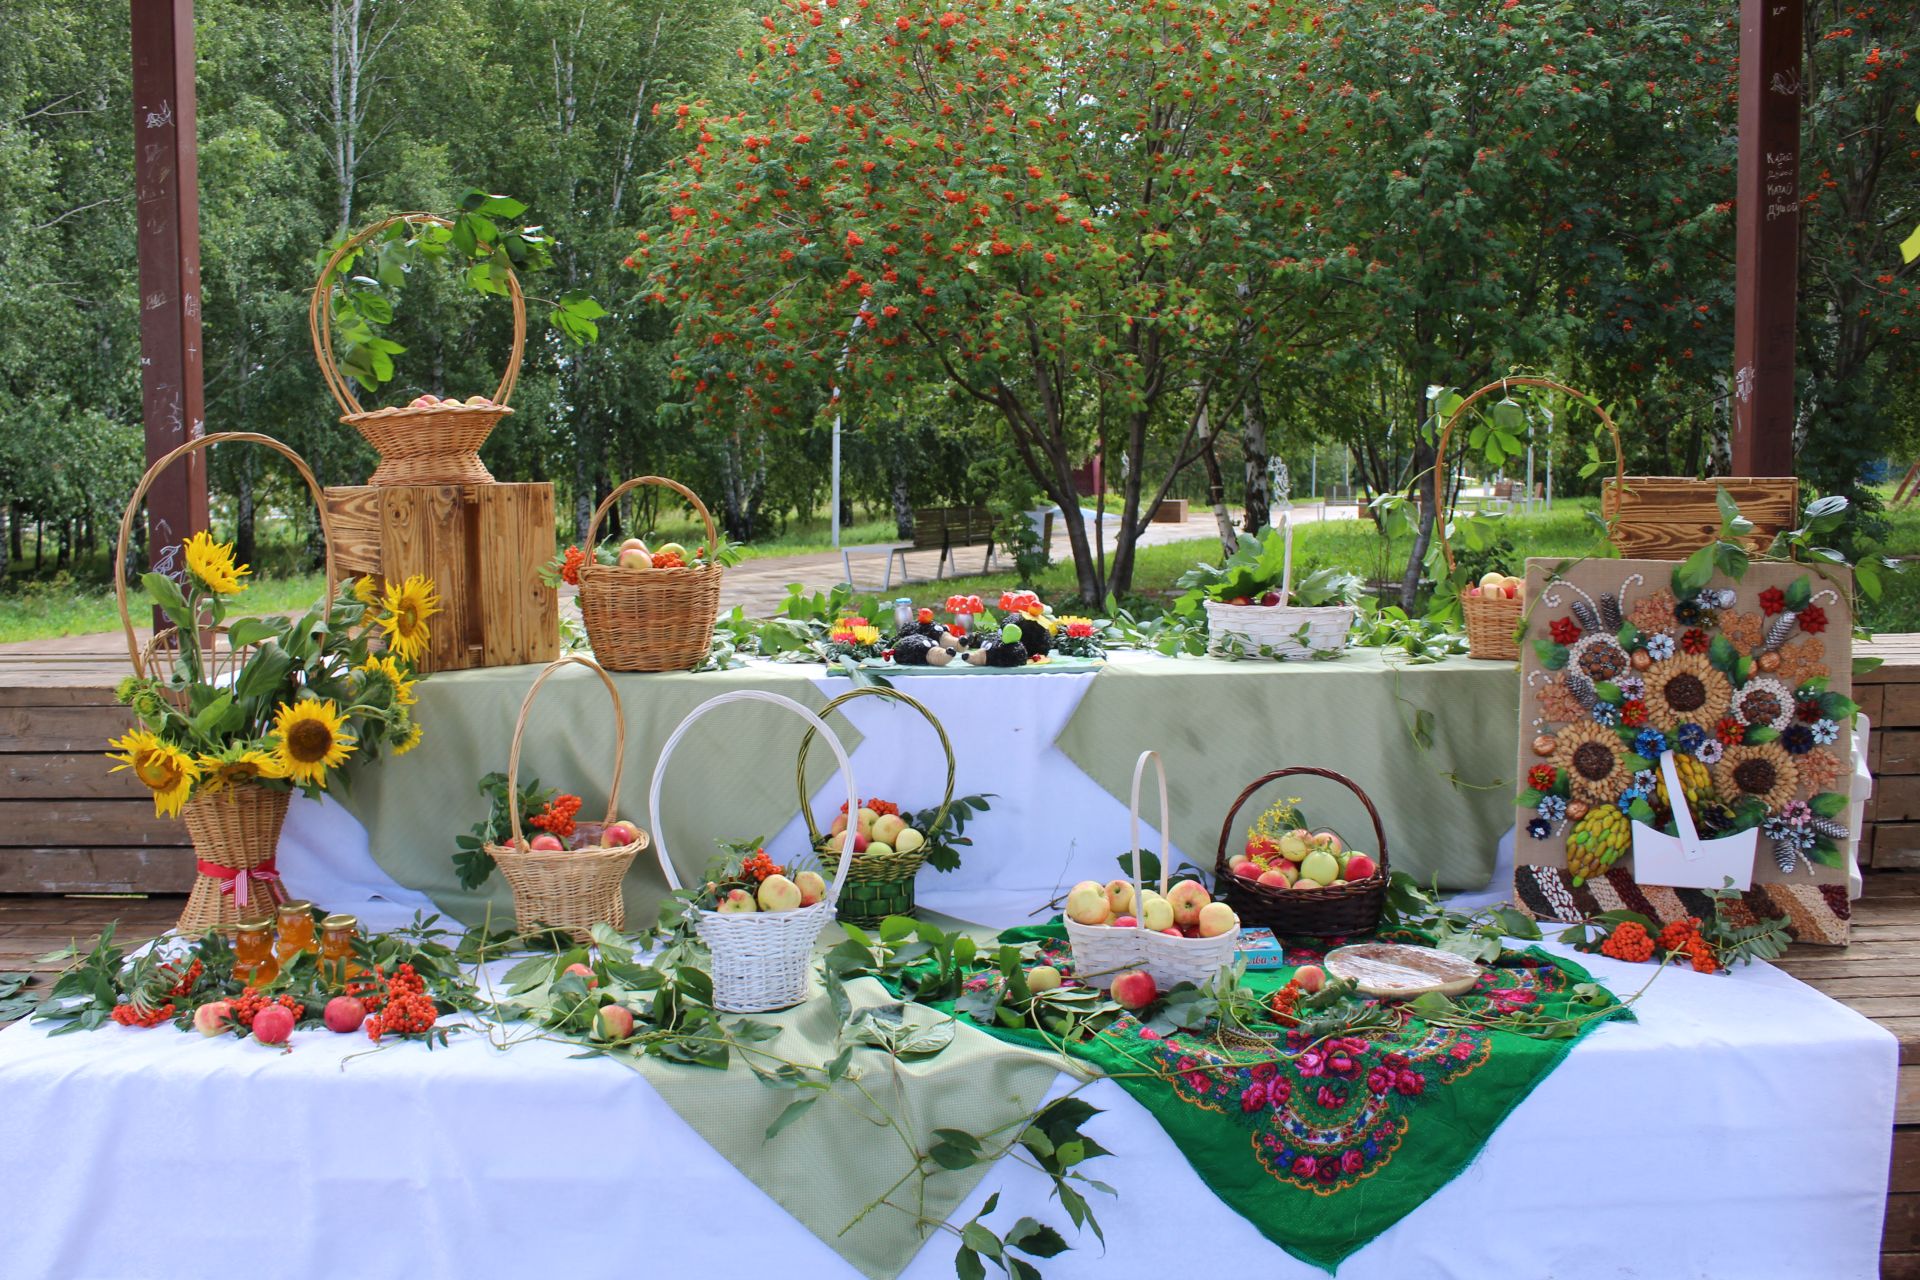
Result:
1123,933
1492,608
760,941
1297,882
652,609
569,882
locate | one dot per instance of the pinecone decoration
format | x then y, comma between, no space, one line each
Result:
1581,688
1778,631
1611,612
1785,855
1828,827
1596,842
1584,615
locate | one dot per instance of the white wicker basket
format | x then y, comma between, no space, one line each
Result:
1278,628
1104,952
761,960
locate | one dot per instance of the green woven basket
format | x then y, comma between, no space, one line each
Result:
877,886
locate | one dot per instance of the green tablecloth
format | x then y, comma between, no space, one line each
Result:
1218,725
731,778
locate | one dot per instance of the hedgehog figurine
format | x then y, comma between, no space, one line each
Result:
1033,634
1007,653
911,650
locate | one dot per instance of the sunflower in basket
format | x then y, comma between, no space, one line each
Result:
1764,772
1686,689
1593,760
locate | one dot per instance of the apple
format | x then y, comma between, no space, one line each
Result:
214,1018
1135,990
1043,977
737,902
908,840
1173,931
584,971
1470,592
1120,899
867,818
613,1022
1087,903
812,888
887,829
1270,599
839,824
1492,578
1274,879
1304,883
839,842
1156,913
1237,866
1241,600
1125,922
777,893
879,848
671,549
1320,865
1187,898
423,402
631,559
619,834
1259,847
1360,867
1248,871
1327,840
343,1014
1311,977
1217,919
1294,846
546,844
273,1024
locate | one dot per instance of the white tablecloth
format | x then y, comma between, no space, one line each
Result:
1741,1128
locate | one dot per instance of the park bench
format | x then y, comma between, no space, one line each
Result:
934,528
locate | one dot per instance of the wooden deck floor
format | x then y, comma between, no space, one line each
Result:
1879,975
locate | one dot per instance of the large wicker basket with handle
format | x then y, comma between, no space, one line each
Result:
435,444
650,619
1335,911
878,885
235,831
1493,622
762,960
570,889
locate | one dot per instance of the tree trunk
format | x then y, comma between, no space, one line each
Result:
1257,498
15,547
1423,462
10,542
243,540
1216,488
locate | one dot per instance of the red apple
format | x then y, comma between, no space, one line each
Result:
1270,599
585,972
1275,879
273,1024
546,844
344,1014
1173,931
619,834
1240,600
213,1018
1359,867
1248,871
1124,922
1311,977
1135,990
613,1022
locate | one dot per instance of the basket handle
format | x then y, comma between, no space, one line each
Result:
712,704
1446,432
606,505
870,691
1133,829
520,732
153,473
319,318
1307,770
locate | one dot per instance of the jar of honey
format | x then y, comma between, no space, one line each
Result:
253,962
294,935
337,962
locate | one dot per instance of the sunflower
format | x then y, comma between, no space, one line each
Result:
366,589
308,741
1590,755
164,769
405,621
412,738
212,563
238,764
1686,689
1764,700
1598,657
384,671
1765,772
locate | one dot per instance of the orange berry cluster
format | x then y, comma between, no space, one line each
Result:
408,1009
251,1002
132,1015
1628,941
1280,1004
557,817
758,867
881,808
186,980
1683,938
668,560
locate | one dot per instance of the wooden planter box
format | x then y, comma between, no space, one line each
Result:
1671,517
1171,511
482,544
1889,695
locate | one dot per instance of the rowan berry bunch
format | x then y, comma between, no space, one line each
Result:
557,817
1281,1004
1629,941
184,982
759,866
129,1014
407,1010
1677,940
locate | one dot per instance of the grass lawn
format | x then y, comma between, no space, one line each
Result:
51,607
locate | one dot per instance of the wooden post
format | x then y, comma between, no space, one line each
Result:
1767,236
167,173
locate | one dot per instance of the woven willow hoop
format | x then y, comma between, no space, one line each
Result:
570,889
762,960
651,619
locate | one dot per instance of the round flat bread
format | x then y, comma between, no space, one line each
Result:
1395,971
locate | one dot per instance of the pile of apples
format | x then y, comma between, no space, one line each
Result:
1497,585
873,833
634,554
1302,859
776,893
615,835
449,402
1188,910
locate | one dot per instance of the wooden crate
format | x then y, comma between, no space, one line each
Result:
1670,517
482,544
1889,695
1170,511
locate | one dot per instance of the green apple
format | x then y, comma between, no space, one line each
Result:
1321,866
671,549
908,840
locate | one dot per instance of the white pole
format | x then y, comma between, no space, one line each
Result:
1549,464
846,353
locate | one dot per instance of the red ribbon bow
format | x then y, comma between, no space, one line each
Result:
234,880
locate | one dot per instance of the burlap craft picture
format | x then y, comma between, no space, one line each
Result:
1748,683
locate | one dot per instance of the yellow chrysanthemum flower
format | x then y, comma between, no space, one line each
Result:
163,769
408,607
384,670
308,741
212,563
236,765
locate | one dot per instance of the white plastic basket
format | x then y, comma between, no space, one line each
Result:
1686,861
1102,952
762,961
1279,628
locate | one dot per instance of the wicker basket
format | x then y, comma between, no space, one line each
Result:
650,619
1337,911
1278,627
570,889
1102,952
880,885
1494,623
234,834
437,445
762,960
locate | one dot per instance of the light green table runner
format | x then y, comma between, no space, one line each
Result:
1218,725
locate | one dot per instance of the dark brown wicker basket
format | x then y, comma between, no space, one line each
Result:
1334,912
